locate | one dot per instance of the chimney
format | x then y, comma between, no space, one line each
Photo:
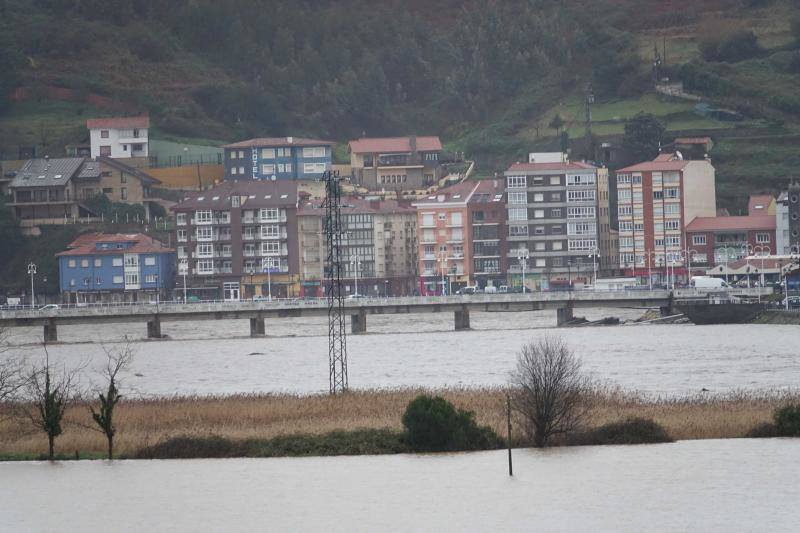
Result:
290,140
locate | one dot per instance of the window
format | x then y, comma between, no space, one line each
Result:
538,213
123,193
582,245
558,245
581,228
517,197
268,214
205,266
658,195
270,231
671,193
283,152
427,219
202,217
234,171
672,224
118,279
762,237
124,147
84,263
517,182
105,151
555,180
581,212
117,262
442,216
625,226
455,219
316,151
539,246
271,247
180,219
624,210
268,169
636,179
555,213
515,230
580,179
131,278
104,134
241,170
150,260
457,235
241,154
541,263
672,209
181,235
517,214
108,190
538,180
268,153
98,262
581,195
623,194
150,278
555,197
623,178
71,263
538,230
637,196
204,234
313,168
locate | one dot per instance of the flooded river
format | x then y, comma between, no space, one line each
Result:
730,485
217,357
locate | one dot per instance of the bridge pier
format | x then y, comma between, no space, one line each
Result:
50,331
564,315
154,328
665,310
257,327
461,319
358,322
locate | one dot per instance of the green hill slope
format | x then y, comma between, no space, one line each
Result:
486,76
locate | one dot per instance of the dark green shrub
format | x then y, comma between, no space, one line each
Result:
764,430
628,431
787,420
191,447
732,47
432,424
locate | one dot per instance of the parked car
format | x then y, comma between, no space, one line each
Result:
794,302
355,296
469,289
502,289
490,289
707,282
48,307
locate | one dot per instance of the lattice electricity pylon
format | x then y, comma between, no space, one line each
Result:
337,332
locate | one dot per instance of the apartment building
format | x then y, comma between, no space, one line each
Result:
277,158
54,191
656,200
378,247
237,240
461,237
99,267
396,163
607,237
120,137
553,220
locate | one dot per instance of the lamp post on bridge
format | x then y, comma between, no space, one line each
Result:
523,255
32,273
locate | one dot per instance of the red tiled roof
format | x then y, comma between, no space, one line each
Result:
692,140
394,144
754,222
572,165
261,142
85,244
118,123
352,206
650,166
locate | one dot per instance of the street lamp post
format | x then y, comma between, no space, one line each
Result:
523,255
252,270
184,267
356,263
442,268
269,279
594,255
32,272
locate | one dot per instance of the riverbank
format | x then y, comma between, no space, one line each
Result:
777,317
145,423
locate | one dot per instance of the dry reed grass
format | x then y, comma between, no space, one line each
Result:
144,422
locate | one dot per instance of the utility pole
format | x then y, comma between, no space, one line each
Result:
32,272
337,334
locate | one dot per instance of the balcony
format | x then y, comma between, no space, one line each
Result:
272,220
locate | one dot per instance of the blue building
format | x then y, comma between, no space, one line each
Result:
100,267
281,158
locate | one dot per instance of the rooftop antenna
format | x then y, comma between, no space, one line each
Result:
337,333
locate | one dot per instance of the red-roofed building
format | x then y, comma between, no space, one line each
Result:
715,240
102,267
120,137
396,163
761,204
655,202
461,234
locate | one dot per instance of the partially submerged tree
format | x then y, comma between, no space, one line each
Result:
549,390
116,361
50,393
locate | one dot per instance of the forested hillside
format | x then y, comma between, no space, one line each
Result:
488,76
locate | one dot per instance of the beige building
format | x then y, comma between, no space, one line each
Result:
379,247
396,163
607,238
656,200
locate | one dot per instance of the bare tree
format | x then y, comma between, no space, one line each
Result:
10,375
549,389
116,361
50,393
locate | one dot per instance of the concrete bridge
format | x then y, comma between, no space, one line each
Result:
564,302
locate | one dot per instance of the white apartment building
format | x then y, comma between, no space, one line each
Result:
119,138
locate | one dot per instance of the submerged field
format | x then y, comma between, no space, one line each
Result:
144,423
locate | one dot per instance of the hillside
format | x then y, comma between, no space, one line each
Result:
486,76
